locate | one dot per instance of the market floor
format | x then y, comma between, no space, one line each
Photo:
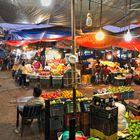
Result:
9,92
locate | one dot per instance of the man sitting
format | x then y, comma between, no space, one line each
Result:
33,100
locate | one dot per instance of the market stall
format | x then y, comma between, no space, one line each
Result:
93,115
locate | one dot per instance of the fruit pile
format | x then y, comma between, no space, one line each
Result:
51,95
45,73
60,94
119,89
69,94
133,127
84,99
56,101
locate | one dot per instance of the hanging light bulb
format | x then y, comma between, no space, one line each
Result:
128,36
89,20
100,35
89,16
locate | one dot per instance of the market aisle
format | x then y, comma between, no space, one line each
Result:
9,92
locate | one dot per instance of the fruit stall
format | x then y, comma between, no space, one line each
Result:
55,74
51,76
117,75
97,117
117,92
61,111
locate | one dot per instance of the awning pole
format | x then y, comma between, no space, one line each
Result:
74,77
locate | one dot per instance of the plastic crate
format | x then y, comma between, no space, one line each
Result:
105,121
107,114
45,82
124,95
108,127
85,106
57,110
33,81
131,94
69,107
57,82
56,123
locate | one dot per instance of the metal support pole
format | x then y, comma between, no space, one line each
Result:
72,129
74,77
47,120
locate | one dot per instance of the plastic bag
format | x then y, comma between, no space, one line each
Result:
79,136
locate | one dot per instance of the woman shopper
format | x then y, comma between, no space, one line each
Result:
23,71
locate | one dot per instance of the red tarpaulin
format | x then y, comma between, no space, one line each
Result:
132,45
88,40
26,42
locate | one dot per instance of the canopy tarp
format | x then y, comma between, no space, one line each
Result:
19,27
87,40
38,34
132,45
58,12
26,42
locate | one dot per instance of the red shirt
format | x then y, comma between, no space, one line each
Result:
97,68
106,71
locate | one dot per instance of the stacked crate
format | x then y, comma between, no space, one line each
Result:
104,122
67,79
85,123
69,114
85,117
45,82
56,119
57,82
33,81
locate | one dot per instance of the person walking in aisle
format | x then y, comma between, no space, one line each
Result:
23,70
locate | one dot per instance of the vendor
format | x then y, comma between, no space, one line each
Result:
106,74
37,65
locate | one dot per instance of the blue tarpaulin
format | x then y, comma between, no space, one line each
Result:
18,27
38,34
